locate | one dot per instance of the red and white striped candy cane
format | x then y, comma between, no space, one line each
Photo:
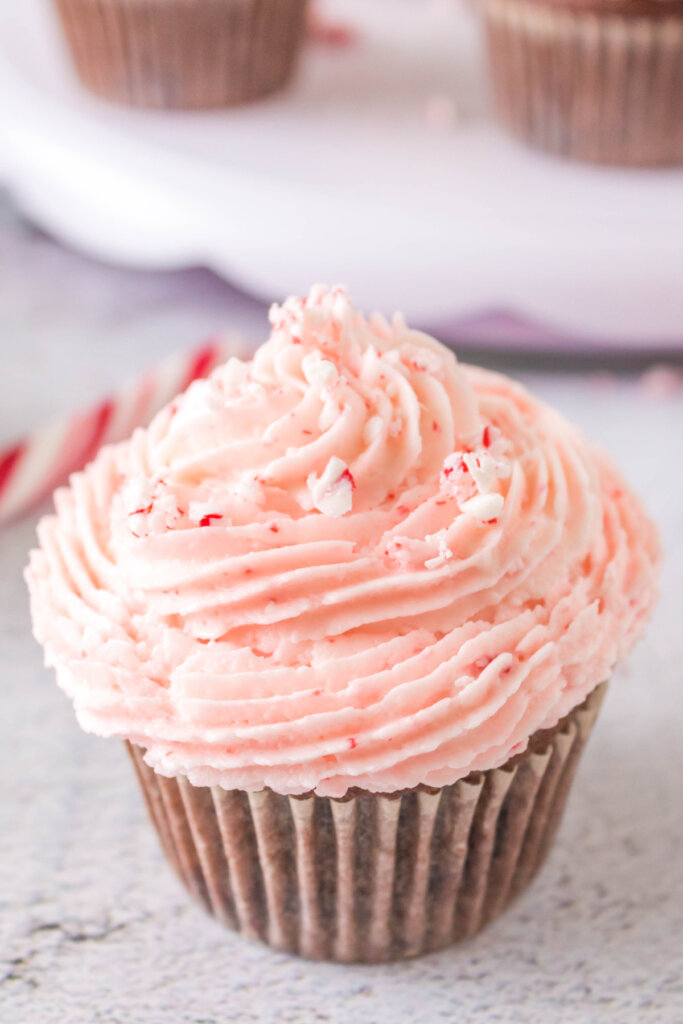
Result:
31,469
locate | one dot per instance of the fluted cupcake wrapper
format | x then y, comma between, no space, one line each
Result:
601,87
369,877
183,54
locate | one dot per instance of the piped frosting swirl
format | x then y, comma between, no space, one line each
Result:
351,561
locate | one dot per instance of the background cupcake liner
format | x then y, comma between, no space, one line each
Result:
183,53
369,877
606,88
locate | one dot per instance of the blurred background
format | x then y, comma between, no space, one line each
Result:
127,233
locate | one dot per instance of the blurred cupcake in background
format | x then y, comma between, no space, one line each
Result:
596,80
183,54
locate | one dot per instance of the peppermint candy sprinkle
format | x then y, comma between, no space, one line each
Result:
332,492
484,506
206,513
318,372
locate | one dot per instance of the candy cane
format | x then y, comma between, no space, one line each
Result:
31,469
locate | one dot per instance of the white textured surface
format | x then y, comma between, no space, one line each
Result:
93,926
342,178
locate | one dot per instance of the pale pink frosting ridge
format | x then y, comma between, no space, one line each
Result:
349,562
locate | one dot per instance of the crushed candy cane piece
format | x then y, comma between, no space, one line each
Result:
249,489
160,513
200,510
318,372
483,506
164,514
332,493
444,553
485,469
421,360
456,479
137,495
478,466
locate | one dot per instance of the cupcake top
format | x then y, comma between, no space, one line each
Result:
349,562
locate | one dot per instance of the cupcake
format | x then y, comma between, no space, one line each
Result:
598,80
183,54
352,606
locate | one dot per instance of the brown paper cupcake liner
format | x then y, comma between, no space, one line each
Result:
183,54
606,88
369,877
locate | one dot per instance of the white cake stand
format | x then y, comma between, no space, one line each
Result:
344,179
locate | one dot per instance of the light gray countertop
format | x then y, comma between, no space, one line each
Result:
94,927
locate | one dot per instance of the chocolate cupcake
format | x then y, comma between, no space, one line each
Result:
596,80
351,605
183,54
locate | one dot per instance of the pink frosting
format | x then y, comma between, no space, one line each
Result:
349,562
